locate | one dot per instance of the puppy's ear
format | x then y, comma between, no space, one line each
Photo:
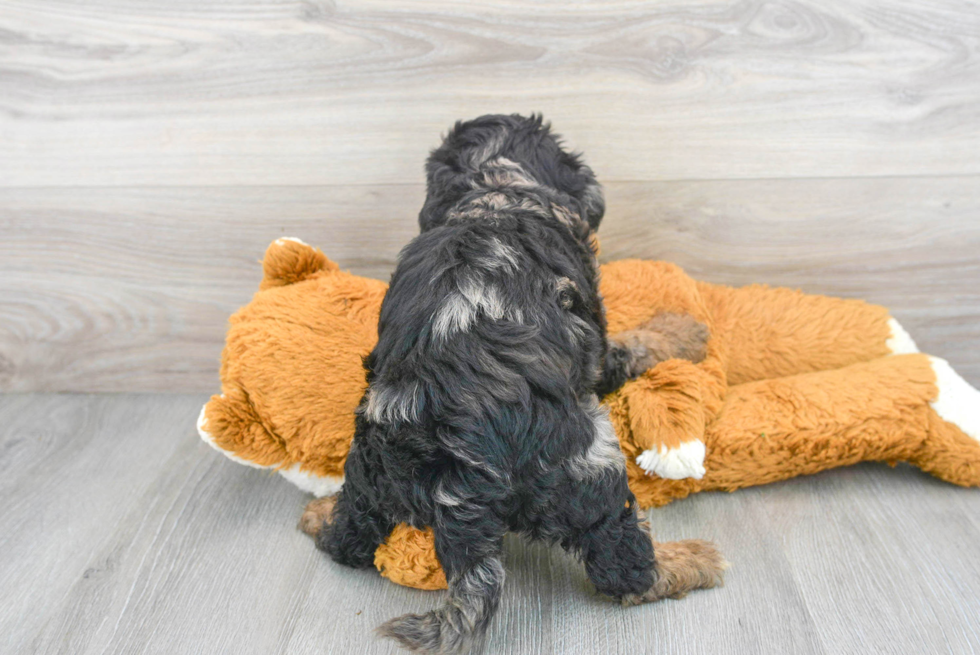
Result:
593,205
578,181
444,184
438,194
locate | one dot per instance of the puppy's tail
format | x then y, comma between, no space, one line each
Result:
462,622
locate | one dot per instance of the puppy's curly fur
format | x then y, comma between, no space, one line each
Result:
481,414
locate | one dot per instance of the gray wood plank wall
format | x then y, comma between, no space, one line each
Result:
149,152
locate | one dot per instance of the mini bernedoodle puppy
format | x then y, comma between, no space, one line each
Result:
482,411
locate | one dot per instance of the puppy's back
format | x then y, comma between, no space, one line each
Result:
484,322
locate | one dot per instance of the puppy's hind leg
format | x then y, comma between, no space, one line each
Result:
680,567
468,543
318,513
354,530
598,520
623,561
599,523
358,522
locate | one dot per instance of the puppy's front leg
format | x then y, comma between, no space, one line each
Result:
665,336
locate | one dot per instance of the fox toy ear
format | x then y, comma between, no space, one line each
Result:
288,260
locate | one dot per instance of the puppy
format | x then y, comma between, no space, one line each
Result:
482,413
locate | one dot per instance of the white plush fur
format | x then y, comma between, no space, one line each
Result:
900,342
282,240
319,486
957,402
683,461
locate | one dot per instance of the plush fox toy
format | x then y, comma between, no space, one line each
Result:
791,384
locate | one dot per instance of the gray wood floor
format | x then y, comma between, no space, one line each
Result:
122,533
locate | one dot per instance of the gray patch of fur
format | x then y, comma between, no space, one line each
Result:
604,452
502,172
565,215
460,309
501,256
489,206
479,156
455,315
576,327
493,200
443,497
386,404
461,623
486,297
533,206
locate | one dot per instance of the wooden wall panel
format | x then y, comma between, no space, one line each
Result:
130,289
183,92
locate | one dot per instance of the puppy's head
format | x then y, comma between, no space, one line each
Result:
515,151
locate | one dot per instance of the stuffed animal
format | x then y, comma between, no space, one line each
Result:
791,384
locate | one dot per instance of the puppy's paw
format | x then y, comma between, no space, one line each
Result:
681,567
665,336
316,515
684,336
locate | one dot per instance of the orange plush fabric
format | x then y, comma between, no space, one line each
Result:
291,368
791,384
409,557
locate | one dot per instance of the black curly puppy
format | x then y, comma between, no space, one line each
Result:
481,414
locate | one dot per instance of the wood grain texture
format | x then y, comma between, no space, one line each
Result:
875,549
151,150
130,289
68,486
179,92
123,533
